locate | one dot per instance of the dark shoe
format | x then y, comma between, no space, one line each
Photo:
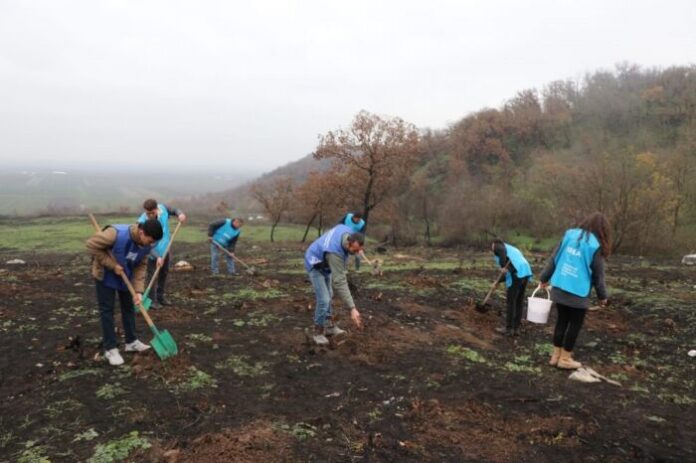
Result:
503,330
165,302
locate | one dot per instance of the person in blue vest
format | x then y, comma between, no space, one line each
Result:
516,274
575,267
155,210
355,221
325,262
223,232
130,246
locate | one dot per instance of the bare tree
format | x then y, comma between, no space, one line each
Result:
275,199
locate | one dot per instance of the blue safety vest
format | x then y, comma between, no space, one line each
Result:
356,227
128,254
226,233
573,272
329,242
163,218
517,260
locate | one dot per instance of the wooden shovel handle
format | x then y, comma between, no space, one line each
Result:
125,279
231,255
166,252
495,283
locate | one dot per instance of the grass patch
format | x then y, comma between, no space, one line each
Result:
110,391
252,294
77,373
120,449
522,364
57,409
240,365
33,453
301,431
465,353
257,319
197,379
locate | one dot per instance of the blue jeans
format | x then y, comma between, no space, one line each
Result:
215,254
322,288
106,297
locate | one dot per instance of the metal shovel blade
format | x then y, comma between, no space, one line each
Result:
163,343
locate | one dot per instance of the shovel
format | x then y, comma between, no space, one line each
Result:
249,270
147,302
376,264
482,307
163,343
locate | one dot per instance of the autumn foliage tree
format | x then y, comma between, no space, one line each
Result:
372,153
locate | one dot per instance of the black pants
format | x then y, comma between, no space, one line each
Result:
106,298
568,326
515,299
159,285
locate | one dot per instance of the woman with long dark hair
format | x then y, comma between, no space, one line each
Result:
576,266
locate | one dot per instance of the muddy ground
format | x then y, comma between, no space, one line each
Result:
426,380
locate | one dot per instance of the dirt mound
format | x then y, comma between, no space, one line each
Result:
481,432
255,442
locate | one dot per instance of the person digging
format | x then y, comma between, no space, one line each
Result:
155,210
516,272
225,233
325,262
130,246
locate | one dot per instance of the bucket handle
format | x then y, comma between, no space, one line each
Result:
548,295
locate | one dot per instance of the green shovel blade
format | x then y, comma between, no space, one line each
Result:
163,343
147,302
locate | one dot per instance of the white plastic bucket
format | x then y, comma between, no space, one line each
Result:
538,308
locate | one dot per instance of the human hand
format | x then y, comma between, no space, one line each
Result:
182,218
355,316
138,299
118,270
544,285
160,262
604,302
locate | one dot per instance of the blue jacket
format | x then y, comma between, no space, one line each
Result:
573,262
128,254
356,227
330,242
163,218
226,234
517,260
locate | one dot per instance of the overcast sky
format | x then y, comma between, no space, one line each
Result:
250,85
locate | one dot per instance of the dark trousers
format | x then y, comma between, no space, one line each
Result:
568,326
158,287
106,298
515,299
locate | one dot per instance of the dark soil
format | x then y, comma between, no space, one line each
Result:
395,391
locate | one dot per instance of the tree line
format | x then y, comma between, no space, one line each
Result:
622,142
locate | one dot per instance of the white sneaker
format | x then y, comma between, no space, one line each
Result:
321,340
334,330
136,346
113,357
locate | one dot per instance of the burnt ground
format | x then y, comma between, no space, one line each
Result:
426,380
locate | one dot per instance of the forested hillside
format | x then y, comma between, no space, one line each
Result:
621,142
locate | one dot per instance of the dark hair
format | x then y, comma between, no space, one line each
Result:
239,219
358,215
152,228
498,241
150,204
359,237
598,225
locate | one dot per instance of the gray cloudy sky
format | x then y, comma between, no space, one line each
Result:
250,85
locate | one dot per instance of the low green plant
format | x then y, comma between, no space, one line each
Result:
77,373
110,391
119,449
240,365
33,453
465,353
302,431
196,379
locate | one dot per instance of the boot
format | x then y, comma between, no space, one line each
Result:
566,362
555,356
